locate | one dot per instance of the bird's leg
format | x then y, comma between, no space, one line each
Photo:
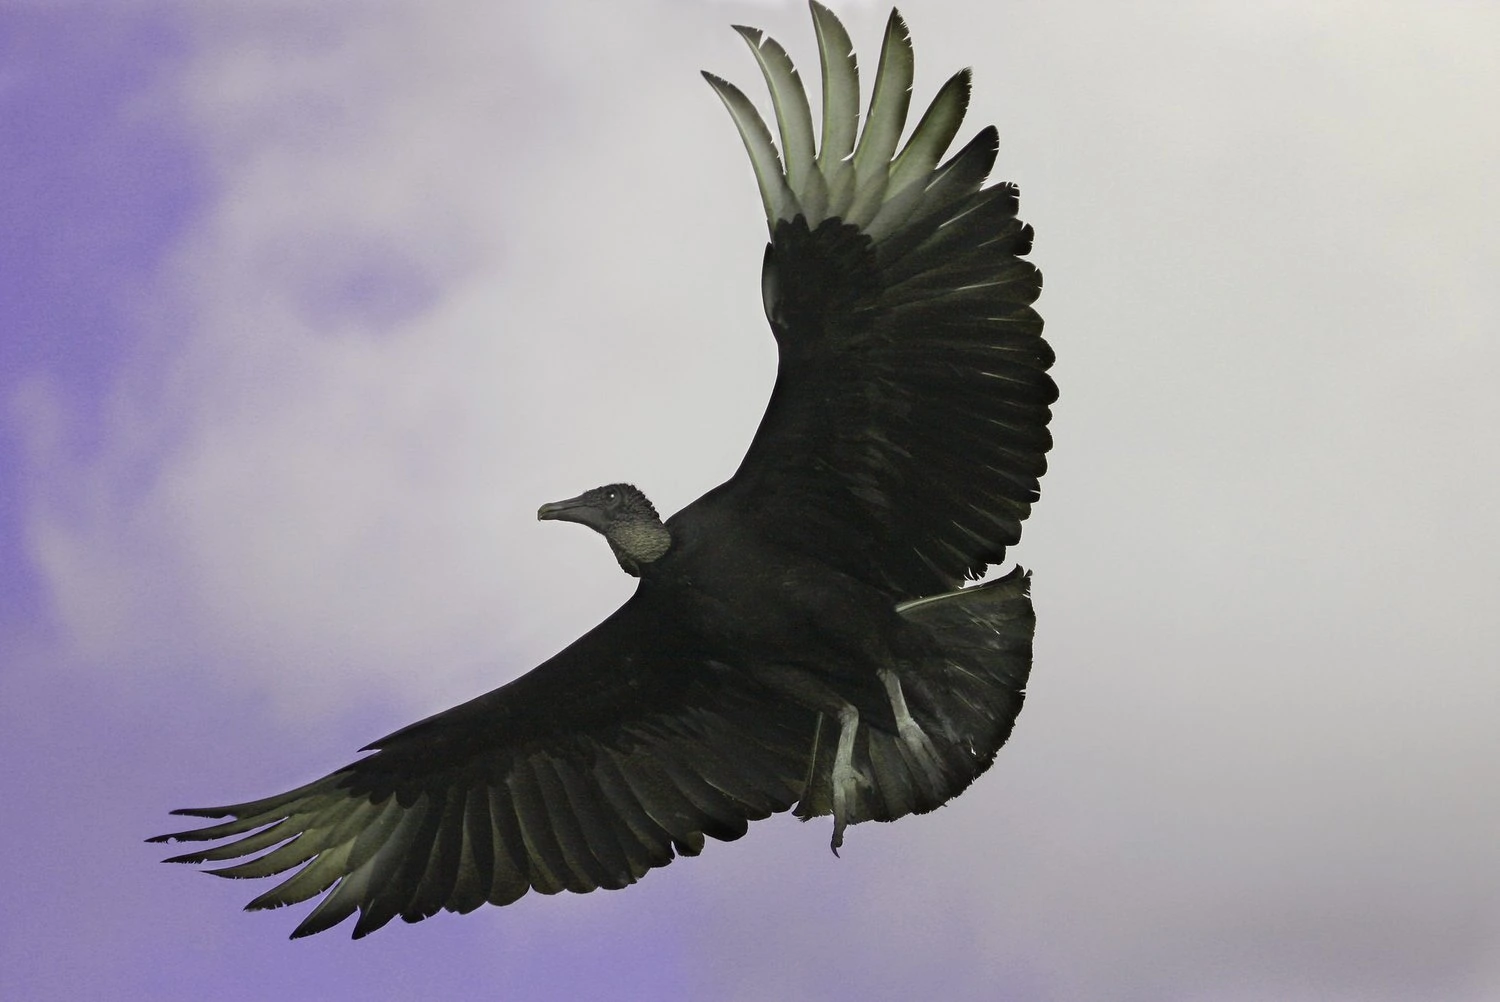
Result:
911,732
845,776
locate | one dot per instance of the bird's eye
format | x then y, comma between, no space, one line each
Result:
611,496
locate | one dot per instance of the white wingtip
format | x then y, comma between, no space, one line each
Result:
934,133
840,107
861,184
793,115
757,138
884,121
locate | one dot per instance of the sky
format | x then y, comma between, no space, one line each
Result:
304,309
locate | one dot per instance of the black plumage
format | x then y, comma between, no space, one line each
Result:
801,635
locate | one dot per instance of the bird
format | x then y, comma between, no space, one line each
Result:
821,632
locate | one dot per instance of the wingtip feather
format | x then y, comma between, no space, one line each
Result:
764,160
840,68
793,116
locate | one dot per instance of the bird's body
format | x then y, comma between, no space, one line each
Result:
799,635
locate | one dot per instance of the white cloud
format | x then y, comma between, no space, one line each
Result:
314,481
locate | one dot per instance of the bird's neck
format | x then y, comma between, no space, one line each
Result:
639,543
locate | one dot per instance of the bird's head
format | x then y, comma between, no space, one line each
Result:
623,516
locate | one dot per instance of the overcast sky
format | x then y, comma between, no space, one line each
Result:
305,308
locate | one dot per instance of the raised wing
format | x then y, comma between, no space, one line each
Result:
907,429
604,763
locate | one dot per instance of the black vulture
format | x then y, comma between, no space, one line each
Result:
806,634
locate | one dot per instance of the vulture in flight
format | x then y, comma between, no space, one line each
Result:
802,636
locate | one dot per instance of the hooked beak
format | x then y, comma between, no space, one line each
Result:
573,510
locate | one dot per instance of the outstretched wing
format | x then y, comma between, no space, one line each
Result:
620,752
907,429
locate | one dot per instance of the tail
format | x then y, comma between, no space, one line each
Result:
958,707
973,695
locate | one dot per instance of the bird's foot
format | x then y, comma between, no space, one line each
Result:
846,778
918,744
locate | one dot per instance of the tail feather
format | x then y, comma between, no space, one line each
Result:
973,695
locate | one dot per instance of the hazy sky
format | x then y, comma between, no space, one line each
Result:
303,312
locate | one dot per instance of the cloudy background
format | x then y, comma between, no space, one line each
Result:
304,311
